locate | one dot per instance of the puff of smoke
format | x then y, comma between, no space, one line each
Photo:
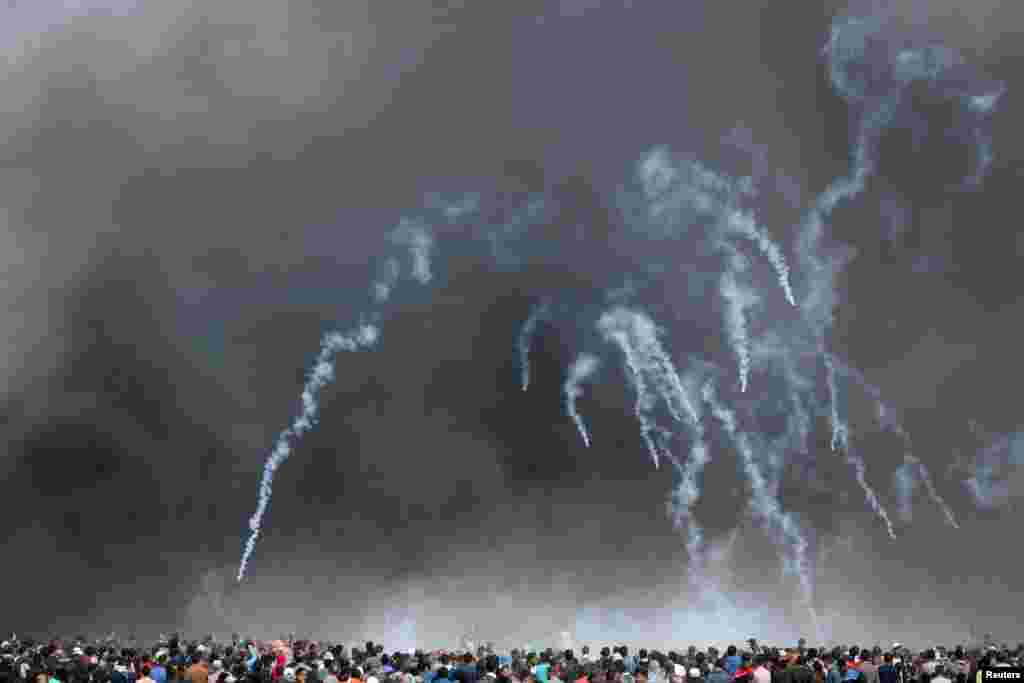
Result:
322,373
540,313
382,287
414,235
993,468
581,370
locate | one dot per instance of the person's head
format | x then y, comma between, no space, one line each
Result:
146,669
730,651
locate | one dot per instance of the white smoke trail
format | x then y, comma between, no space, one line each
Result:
582,369
841,440
929,486
738,299
538,314
322,373
840,432
743,223
637,336
645,400
655,377
888,421
684,497
766,506
857,462
669,186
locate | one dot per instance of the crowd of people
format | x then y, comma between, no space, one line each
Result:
174,660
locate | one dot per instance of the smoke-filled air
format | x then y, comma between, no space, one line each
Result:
637,321
772,289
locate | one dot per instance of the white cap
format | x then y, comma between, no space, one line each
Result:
372,679
289,674
679,670
694,672
76,651
328,656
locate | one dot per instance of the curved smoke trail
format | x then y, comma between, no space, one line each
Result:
412,235
581,370
322,373
539,314
737,300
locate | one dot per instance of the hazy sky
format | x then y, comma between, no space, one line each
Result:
192,192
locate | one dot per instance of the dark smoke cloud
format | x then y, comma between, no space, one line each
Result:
191,195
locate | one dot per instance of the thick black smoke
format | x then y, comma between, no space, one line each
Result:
191,196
